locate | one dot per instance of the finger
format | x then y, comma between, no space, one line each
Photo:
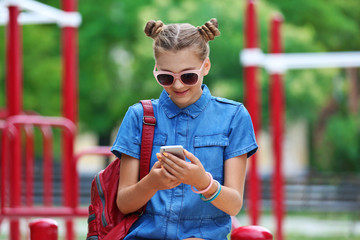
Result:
157,164
178,161
173,161
192,157
159,156
170,169
169,175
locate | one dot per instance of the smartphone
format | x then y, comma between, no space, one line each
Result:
176,150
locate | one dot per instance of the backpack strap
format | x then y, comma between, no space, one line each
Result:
149,122
147,138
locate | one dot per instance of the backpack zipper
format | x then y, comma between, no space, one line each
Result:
102,198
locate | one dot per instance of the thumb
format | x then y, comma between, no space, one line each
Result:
157,164
191,157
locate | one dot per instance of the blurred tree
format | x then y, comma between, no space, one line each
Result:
335,22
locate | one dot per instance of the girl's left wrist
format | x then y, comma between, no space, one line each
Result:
204,188
211,190
207,180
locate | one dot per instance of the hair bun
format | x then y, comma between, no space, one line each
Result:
153,28
209,30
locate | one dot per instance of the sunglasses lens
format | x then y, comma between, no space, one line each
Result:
165,79
189,78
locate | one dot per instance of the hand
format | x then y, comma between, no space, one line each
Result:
192,173
162,179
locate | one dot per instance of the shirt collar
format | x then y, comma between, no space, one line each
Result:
194,110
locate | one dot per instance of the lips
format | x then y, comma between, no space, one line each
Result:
181,93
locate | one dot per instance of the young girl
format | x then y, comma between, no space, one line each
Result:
190,199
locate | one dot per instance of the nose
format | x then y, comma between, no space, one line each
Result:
178,83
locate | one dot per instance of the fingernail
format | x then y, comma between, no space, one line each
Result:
165,154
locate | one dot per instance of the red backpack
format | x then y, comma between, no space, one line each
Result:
105,221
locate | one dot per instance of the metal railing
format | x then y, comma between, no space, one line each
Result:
15,180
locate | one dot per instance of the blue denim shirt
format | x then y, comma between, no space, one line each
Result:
214,129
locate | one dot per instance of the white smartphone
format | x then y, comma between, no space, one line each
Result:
176,150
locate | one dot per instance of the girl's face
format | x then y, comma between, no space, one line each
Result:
183,60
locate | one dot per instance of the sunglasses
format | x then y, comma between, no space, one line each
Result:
189,77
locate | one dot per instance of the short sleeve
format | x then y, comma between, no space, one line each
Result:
241,135
128,139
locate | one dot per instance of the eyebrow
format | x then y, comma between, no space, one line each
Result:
186,69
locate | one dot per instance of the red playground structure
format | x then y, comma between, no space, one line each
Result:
276,63
14,154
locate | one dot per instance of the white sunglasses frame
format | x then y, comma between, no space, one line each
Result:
178,75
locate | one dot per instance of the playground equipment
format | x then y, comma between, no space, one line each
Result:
11,186
14,13
43,229
276,64
251,233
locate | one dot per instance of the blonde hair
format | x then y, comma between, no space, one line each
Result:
174,37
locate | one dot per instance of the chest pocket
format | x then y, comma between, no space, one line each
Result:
210,150
159,139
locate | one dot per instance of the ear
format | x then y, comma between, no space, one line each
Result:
207,66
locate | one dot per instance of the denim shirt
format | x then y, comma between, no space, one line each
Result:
214,130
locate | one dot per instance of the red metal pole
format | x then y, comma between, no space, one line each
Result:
252,101
70,103
14,64
29,164
15,183
70,65
4,165
47,164
14,103
43,229
70,180
277,106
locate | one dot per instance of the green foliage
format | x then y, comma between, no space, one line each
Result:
335,22
42,69
340,149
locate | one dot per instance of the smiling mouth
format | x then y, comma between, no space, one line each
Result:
181,93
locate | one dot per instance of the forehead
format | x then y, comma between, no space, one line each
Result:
177,61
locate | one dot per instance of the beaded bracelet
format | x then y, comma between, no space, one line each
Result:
208,187
215,195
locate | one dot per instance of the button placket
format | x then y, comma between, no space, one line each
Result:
178,192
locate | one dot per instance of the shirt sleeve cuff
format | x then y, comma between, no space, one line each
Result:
117,151
250,150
